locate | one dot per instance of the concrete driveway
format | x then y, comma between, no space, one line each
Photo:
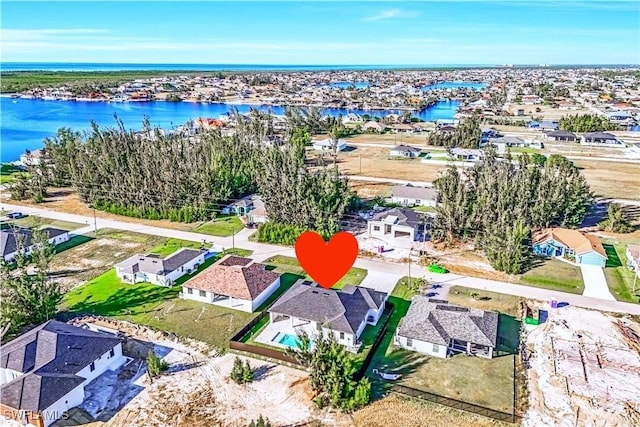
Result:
595,284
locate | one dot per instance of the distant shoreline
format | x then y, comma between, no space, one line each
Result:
14,67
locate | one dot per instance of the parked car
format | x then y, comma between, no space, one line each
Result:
15,215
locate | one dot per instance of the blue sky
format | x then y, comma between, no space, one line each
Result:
317,33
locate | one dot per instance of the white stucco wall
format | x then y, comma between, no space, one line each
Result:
406,201
102,364
76,396
265,294
421,346
57,409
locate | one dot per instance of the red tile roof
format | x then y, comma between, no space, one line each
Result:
234,276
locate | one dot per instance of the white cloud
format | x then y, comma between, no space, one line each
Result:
390,14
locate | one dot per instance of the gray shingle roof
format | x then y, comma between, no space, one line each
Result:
561,134
599,135
153,264
437,323
342,310
50,356
405,216
406,149
412,192
8,241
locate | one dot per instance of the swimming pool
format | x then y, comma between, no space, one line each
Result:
288,340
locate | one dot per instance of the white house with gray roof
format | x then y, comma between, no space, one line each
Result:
396,223
308,307
437,328
404,151
13,240
44,371
160,271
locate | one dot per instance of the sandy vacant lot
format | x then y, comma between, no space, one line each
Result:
617,180
371,161
584,370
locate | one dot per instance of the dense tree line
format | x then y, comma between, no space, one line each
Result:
466,135
299,197
154,175
29,296
585,123
150,174
499,203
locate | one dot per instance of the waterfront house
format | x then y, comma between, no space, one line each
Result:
31,158
233,282
573,245
437,328
43,372
157,270
396,223
310,308
405,151
351,118
373,126
329,144
409,195
12,239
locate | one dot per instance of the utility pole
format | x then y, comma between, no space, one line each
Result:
95,223
233,237
635,276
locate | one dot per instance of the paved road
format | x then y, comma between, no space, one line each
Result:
389,180
382,275
595,284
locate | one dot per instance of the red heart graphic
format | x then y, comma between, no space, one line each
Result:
326,262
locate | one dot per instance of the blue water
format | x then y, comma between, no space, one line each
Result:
290,341
24,123
82,66
349,85
455,85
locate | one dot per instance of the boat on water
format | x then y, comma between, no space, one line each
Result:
120,98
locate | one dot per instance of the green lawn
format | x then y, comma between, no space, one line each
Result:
555,275
285,264
485,382
619,276
427,209
172,245
484,300
9,173
36,221
222,226
158,307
